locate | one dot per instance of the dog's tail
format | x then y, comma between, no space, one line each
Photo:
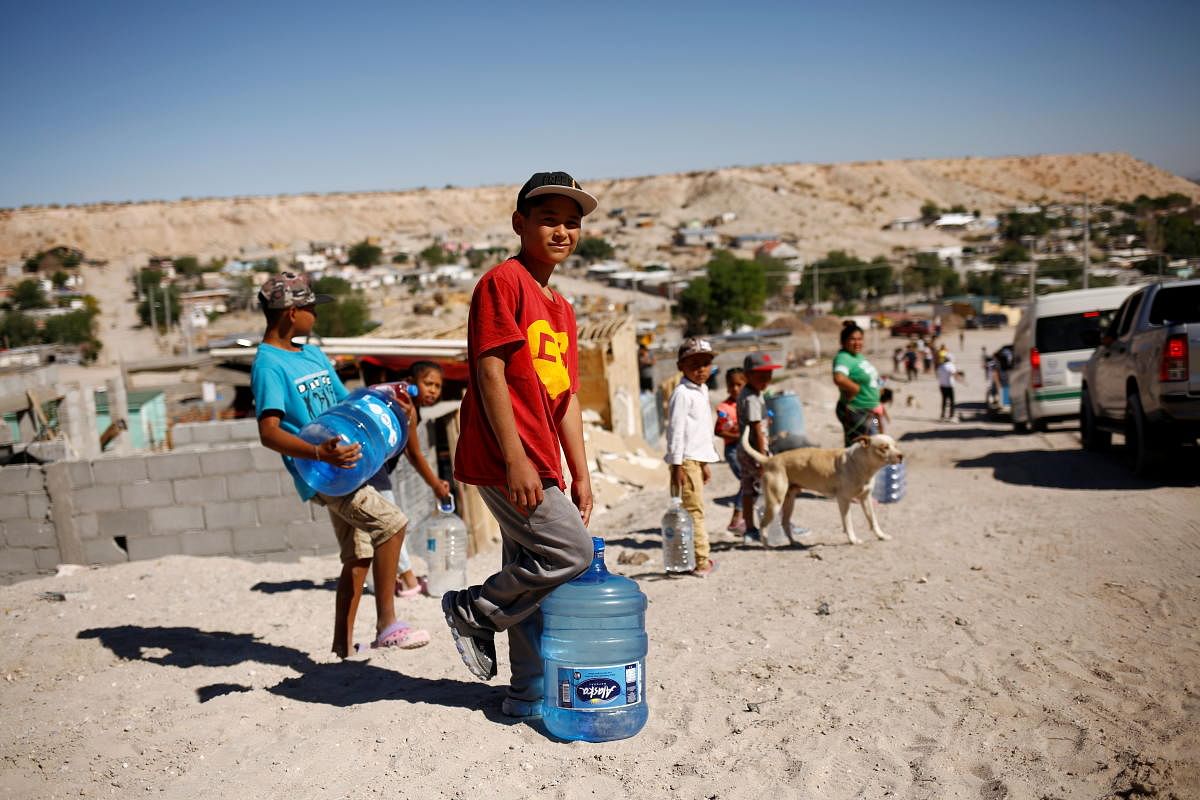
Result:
757,456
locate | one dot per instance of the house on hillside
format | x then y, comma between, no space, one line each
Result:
955,222
697,237
904,224
311,262
749,241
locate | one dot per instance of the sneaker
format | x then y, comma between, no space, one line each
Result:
752,536
521,709
478,652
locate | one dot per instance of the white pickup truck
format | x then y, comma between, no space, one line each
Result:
1143,380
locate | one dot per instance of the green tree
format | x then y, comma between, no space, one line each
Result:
346,316
400,258
930,212
434,255
1181,236
1015,225
1011,253
332,285
593,248
187,265
18,330
731,294
28,294
59,279
843,277
160,295
364,254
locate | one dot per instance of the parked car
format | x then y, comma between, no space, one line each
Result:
1051,345
911,327
988,321
1143,380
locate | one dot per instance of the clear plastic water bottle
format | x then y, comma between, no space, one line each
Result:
445,538
678,542
370,417
594,656
890,483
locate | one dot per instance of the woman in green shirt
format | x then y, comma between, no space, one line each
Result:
858,382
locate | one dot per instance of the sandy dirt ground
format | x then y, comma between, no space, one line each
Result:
1030,632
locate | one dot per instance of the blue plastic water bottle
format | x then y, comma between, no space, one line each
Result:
370,417
890,483
594,656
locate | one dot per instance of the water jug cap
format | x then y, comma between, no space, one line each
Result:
446,504
597,544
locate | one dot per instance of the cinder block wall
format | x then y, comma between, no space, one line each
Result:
29,541
220,493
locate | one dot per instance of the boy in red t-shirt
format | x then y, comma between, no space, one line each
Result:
519,415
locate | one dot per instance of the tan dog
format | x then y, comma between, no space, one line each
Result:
846,475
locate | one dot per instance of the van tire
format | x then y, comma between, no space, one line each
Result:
1094,439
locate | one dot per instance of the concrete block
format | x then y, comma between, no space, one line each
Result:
87,526
206,543
46,558
80,474
238,514
103,551
243,430
39,505
200,490
126,522
148,494
154,547
226,462
181,435
252,485
280,510
175,518
97,498
22,478
13,506
19,561
210,432
310,536
116,471
263,539
318,513
265,460
169,466
29,533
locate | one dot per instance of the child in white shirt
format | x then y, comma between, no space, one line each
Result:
690,440
947,373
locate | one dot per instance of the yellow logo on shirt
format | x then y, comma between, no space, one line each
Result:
548,348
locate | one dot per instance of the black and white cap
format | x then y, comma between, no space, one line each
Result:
541,183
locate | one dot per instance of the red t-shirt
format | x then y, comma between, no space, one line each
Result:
509,307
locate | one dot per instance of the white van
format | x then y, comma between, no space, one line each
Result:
1050,351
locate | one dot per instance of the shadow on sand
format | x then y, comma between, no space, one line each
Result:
268,587
339,684
1079,469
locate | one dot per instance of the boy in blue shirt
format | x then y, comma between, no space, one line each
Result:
292,386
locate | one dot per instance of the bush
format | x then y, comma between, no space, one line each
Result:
593,249
730,295
364,254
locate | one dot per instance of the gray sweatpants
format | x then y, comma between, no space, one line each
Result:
541,551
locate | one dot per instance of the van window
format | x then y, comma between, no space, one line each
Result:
1112,330
1065,332
1176,304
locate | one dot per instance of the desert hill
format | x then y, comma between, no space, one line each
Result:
823,206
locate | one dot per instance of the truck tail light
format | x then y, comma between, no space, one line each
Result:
1035,368
1174,365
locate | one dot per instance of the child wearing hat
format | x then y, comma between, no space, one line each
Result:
292,386
690,441
752,413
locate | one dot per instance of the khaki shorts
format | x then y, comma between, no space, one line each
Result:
362,521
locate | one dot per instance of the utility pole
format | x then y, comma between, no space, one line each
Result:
1032,280
1087,239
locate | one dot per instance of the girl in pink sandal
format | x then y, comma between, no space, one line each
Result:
427,377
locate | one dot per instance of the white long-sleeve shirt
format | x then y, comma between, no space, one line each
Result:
690,425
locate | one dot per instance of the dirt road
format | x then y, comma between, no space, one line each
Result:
1030,632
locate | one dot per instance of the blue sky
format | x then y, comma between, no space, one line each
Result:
140,100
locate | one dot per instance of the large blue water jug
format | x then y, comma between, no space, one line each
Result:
594,656
785,414
370,417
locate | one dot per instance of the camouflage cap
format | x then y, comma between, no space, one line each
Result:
694,345
289,290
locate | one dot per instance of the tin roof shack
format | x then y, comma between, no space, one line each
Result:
608,374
